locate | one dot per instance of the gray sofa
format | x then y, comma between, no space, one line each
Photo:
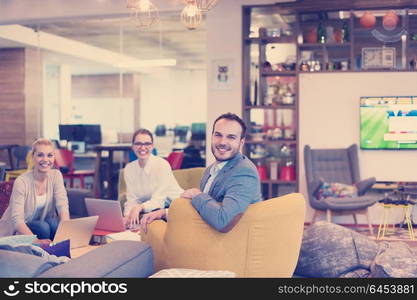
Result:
116,259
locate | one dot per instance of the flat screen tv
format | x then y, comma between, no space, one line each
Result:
388,122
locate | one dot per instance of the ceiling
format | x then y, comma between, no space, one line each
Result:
167,39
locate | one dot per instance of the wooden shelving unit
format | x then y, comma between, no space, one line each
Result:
277,50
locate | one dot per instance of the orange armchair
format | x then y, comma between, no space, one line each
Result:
264,243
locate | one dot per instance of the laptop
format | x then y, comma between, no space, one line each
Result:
78,231
109,213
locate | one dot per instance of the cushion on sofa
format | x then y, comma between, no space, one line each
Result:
116,259
6,188
18,264
191,273
19,239
331,250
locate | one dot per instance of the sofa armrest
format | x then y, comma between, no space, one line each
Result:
116,259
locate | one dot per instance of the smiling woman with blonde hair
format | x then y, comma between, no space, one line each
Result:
39,198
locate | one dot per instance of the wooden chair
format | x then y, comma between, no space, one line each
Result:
27,154
64,160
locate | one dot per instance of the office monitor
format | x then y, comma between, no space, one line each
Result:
88,133
66,132
92,134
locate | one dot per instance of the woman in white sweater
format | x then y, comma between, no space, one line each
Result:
149,180
39,198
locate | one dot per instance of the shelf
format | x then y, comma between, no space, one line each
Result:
278,73
279,106
321,45
278,40
252,40
360,71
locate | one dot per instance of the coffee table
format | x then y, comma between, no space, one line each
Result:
384,224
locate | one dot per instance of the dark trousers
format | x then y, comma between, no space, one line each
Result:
45,229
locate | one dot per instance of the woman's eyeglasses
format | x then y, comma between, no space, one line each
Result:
139,144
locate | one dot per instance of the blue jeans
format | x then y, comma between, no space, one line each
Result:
44,229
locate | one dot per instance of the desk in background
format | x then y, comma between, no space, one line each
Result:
110,148
9,148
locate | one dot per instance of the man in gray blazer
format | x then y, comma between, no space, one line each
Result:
229,185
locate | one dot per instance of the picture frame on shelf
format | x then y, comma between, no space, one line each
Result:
378,58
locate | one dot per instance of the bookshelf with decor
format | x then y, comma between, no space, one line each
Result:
270,97
284,40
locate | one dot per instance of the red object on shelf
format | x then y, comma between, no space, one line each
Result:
262,172
287,173
311,36
367,20
390,20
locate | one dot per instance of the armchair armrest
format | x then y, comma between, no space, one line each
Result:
315,185
364,185
155,237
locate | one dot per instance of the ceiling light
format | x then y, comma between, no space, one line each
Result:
191,15
143,13
206,5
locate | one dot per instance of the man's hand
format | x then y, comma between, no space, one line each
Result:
150,217
191,193
133,219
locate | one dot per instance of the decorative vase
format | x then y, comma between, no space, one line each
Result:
390,20
367,20
311,36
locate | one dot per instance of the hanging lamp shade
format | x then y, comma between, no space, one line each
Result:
206,5
131,3
191,15
144,14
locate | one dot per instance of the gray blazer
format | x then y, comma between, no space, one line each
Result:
235,187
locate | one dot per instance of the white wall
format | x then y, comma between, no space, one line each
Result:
172,97
329,118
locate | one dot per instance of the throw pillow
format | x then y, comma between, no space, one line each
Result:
330,250
395,259
336,190
15,240
191,273
6,188
58,249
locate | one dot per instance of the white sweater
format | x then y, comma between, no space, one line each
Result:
152,185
